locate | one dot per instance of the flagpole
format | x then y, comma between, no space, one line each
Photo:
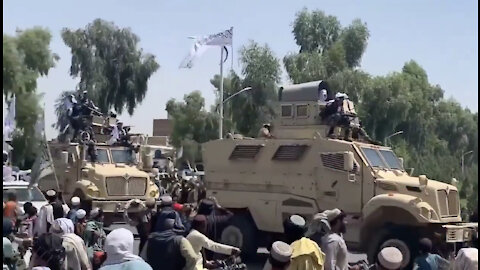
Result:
220,129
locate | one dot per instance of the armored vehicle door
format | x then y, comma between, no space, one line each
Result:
341,186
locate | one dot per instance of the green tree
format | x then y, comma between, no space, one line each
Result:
325,47
110,65
26,57
191,121
261,71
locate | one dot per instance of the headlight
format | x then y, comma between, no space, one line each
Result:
93,191
154,193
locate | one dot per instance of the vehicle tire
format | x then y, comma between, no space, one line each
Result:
400,238
241,232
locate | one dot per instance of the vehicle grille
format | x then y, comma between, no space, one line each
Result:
453,204
448,203
119,186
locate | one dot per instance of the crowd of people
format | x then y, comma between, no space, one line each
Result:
177,236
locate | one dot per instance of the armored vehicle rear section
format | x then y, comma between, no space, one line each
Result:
302,171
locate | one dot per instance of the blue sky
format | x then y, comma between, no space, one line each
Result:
442,36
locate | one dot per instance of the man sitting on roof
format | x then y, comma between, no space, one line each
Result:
265,132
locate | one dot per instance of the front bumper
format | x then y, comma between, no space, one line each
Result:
112,207
460,233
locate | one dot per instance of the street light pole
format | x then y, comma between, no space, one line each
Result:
463,161
223,102
220,129
394,134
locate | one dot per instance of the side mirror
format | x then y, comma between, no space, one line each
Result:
454,182
348,161
401,161
423,181
64,158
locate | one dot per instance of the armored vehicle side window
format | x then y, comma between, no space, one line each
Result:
102,156
302,111
391,159
373,158
158,154
286,110
122,156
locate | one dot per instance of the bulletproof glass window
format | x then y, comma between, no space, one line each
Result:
102,156
391,159
374,158
302,110
286,110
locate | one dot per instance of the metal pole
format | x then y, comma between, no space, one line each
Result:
220,128
463,161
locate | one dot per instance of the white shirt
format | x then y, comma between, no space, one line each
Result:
46,215
467,259
199,241
335,252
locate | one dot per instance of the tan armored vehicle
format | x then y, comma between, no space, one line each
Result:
109,182
301,171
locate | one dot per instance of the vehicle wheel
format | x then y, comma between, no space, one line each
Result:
404,242
241,233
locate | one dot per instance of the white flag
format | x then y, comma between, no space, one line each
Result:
202,44
10,119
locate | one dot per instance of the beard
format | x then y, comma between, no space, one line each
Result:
343,228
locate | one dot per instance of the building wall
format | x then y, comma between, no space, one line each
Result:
162,127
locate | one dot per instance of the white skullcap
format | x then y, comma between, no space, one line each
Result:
95,212
297,220
332,214
81,213
390,258
281,251
75,201
341,95
51,193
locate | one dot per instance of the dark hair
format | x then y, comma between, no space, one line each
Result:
292,231
27,206
425,245
276,263
206,207
199,221
11,196
48,247
58,211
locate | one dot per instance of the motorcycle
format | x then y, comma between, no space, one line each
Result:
230,263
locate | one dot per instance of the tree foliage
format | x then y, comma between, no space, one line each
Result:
325,48
260,70
110,65
26,57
